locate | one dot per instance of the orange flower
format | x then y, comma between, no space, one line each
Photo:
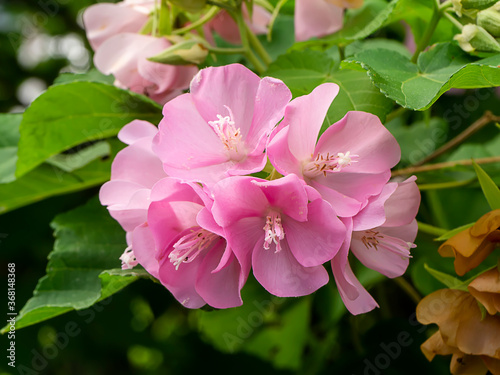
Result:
471,246
472,341
486,289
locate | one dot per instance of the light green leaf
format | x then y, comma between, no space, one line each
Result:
490,189
88,242
453,232
70,114
9,137
73,161
418,86
47,180
302,71
448,280
93,75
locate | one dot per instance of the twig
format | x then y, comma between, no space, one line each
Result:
447,164
477,125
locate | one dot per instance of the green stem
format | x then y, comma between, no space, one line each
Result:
396,113
212,12
445,5
220,5
225,51
454,21
426,38
258,47
445,185
246,43
409,289
165,24
273,18
430,229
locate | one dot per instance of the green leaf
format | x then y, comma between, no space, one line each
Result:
453,232
88,242
420,139
70,114
47,180
70,162
283,343
490,189
9,137
448,280
358,23
302,71
418,86
93,75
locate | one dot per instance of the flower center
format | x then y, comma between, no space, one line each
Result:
128,259
229,135
374,239
191,245
273,231
324,164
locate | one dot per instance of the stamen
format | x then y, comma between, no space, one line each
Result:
225,129
373,239
128,259
324,164
190,246
274,231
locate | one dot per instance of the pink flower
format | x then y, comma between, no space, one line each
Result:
381,237
351,160
105,20
133,173
125,56
224,25
283,227
221,127
183,246
317,18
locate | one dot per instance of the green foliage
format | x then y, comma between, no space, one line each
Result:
48,180
302,71
79,273
9,136
74,113
490,189
418,86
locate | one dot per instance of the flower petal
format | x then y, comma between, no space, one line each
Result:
280,274
136,130
316,18
144,248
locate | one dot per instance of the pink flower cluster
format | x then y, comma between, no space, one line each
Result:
199,220
113,33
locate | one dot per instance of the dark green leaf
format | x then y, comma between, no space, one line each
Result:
70,114
71,162
448,280
88,242
418,86
302,71
47,180
93,75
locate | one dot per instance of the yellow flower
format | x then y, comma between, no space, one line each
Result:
471,246
472,341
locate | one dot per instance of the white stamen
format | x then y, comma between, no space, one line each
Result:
324,164
230,136
128,259
190,246
374,239
274,231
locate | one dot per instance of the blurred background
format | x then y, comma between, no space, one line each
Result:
142,329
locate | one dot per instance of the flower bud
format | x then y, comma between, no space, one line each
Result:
193,6
185,52
470,7
476,39
489,19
